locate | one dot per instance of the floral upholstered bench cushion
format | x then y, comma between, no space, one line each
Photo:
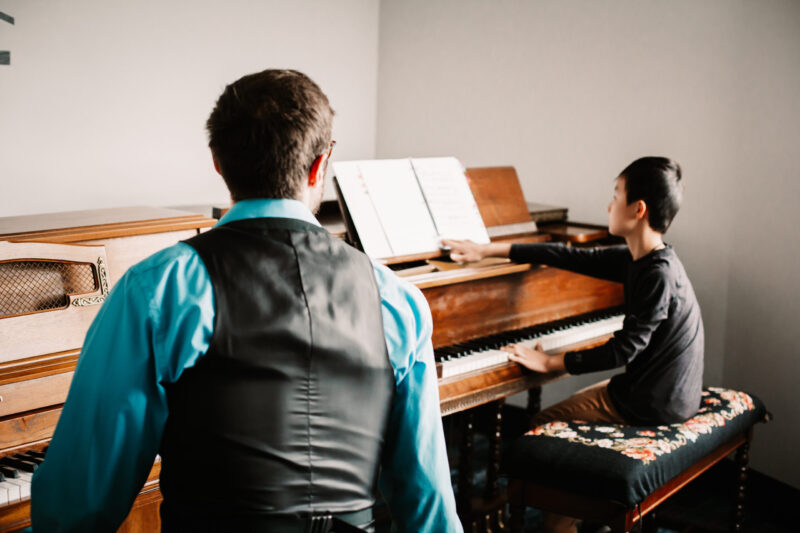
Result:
627,463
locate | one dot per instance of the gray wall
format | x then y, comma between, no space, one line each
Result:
571,92
104,103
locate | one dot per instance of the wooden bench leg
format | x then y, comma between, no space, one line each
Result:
742,460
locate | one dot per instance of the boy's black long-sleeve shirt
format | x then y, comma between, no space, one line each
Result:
661,340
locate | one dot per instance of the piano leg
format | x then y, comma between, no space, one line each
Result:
465,470
534,402
493,471
494,518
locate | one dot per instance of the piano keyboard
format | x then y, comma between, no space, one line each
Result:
16,473
481,353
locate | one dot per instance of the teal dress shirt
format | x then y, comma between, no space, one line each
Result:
157,322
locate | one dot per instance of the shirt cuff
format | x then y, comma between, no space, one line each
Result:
514,254
574,362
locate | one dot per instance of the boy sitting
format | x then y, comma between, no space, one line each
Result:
661,340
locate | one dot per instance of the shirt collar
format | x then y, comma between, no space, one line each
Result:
268,208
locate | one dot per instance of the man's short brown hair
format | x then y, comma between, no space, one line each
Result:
266,131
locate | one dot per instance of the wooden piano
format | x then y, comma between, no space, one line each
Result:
49,294
55,271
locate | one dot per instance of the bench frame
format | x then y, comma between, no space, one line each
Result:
616,515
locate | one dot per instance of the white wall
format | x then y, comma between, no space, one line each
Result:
761,333
104,103
571,92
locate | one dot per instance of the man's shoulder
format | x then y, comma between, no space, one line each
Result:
395,288
165,259
405,307
179,261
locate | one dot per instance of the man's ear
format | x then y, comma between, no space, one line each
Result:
317,172
216,164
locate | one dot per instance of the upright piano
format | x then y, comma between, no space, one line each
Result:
56,270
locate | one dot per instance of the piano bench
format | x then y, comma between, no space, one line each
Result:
616,474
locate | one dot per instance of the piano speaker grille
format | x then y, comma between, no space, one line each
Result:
32,286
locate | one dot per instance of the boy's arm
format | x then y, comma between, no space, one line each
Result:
415,476
608,262
650,306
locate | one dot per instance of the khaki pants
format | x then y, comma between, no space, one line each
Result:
592,404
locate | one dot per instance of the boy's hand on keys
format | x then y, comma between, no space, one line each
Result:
534,358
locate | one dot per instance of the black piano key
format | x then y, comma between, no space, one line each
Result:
493,343
21,464
24,463
28,456
474,346
447,352
441,356
9,472
36,453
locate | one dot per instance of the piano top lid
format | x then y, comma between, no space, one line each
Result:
75,226
499,196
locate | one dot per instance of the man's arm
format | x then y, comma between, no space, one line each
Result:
111,425
415,478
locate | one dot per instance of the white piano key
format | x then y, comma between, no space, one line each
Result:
24,486
550,342
3,496
13,491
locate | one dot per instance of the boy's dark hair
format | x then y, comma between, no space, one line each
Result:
656,180
266,130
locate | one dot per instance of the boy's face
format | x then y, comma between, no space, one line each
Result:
621,216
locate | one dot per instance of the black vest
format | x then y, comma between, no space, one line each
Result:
287,411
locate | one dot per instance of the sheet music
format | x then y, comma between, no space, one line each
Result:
387,207
405,206
362,209
449,198
402,209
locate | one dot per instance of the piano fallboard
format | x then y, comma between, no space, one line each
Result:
476,303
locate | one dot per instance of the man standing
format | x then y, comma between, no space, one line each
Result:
275,369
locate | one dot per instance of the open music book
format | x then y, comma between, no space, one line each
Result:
402,207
